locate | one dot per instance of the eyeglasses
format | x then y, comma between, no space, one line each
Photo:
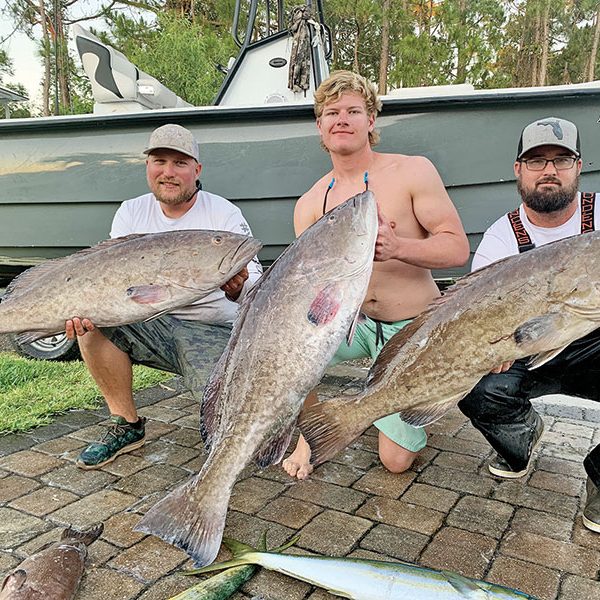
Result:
561,163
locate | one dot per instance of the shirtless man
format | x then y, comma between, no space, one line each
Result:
419,230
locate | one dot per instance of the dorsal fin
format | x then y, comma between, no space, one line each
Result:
25,279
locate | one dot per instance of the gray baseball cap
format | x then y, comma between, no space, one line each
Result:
174,137
549,131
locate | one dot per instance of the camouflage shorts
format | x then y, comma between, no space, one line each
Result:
187,348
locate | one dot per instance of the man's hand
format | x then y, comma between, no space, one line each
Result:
77,327
387,241
505,366
233,287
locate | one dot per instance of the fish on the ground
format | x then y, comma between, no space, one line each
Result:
54,572
363,579
225,584
123,280
533,304
289,327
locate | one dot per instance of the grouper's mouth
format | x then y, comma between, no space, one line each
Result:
241,256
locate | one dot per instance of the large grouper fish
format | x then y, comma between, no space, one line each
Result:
533,304
123,280
54,572
289,327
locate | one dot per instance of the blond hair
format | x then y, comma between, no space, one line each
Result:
343,82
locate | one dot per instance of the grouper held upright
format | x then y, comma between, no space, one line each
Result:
288,329
124,280
533,304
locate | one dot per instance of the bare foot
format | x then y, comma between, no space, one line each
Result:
298,462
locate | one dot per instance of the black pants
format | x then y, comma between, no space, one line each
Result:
499,405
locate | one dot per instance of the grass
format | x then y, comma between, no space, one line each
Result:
32,392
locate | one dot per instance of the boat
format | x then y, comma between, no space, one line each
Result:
63,177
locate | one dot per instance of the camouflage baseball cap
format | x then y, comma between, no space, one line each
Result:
174,137
550,131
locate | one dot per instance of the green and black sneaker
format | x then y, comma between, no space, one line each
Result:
120,437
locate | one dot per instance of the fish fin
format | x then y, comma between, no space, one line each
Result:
544,329
27,337
358,318
543,357
210,410
14,581
87,537
272,452
419,416
226,564
467,588
187,520
148,294
327,429
326,305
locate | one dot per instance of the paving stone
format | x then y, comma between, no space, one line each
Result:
250,529
159,392
168,587
92,509
551,553
430,496
252,494
148,560
458,445
152,479
320,594
462,462
194,465
162,413
577,588
337,473
514,492
60,447
395,542
143,505
10,444
565,452
584,537
381,482
574,429
17,528
184,437
126,465
362,459
90,434
156,430
401,514
459,481
43,501
326,494
39,541
566,441
556,483
454,549
50,432
369,555
481,515
526,577
77,480
271,585
118,530
7,563
423,459
107,584
333,533
560,465
289,512
100,552
14,486
276,473
366,443
159,452
76,419
542,523
29,463
189,421
180,402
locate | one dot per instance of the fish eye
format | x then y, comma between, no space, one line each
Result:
217,239
331,218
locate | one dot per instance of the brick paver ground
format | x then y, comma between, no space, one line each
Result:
447,512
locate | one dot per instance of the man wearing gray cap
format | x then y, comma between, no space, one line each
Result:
547,169
184,341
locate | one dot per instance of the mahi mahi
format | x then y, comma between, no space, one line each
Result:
288,329
533,304
368,579
54,572
123,280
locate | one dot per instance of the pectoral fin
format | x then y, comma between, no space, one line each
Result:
539,332
543,357
419,416
13,582
272,452
326,305
467,588
148,294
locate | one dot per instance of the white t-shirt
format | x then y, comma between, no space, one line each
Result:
144,215
499,240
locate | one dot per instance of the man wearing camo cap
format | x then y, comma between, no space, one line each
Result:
178,341
547,169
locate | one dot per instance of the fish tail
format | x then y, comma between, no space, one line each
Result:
192,518
326,428
87,536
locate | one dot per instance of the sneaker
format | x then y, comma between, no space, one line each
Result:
591,511
500,468
120,437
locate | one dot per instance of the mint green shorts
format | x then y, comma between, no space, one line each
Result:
365,345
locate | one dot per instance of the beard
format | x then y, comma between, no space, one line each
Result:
548,200
172,198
